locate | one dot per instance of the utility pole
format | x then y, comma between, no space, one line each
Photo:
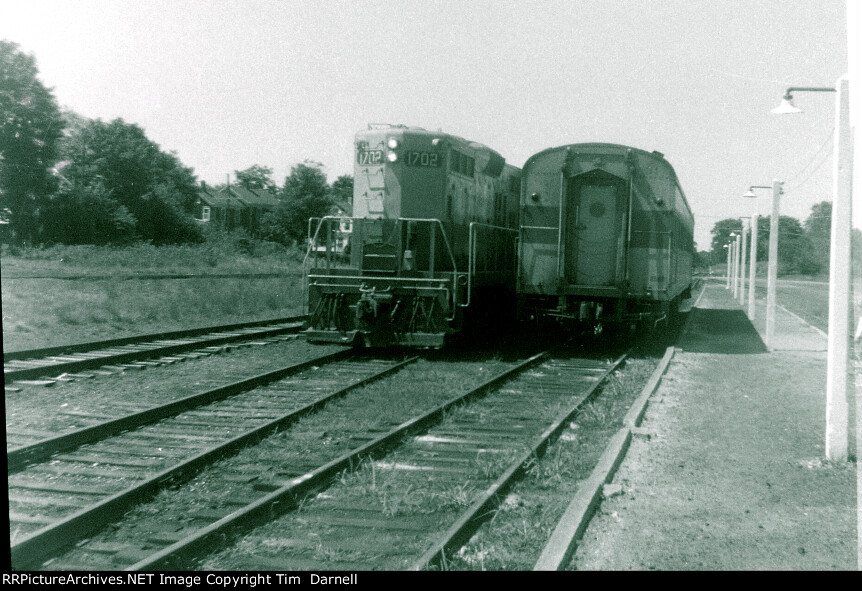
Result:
838,380
736,267
772,273
727,246
742,266
753,267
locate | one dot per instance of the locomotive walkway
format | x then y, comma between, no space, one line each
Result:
728,471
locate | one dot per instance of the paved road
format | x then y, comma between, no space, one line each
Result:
807,299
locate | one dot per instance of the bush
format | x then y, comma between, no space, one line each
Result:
86,215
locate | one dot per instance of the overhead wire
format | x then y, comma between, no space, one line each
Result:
807,164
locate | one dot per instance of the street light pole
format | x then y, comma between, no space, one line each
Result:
772,272
838,382
736,267
838,378
754,224
742,265
752,267
727,273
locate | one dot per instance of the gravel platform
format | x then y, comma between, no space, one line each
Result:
729,472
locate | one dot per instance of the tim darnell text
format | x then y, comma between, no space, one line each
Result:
211,579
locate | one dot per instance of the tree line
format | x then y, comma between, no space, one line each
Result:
68,179
803,247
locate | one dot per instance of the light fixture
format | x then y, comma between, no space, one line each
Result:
750,194
787,107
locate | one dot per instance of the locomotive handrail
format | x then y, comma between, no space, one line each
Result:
563,214
471,250
310,247
436,222
451,258
312,241
538,227
440,280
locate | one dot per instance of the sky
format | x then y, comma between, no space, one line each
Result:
227,84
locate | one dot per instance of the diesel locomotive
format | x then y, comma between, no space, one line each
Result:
430,248
606,237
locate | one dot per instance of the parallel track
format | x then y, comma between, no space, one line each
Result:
130,351
515,413
562,374
63,489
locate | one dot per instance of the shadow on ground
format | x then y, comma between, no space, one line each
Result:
720,331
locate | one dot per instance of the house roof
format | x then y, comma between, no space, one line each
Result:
254,197
218,199
235,197
342,207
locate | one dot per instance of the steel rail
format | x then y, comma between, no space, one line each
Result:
288,496
288,325
482,509
20,457
173,334
40,545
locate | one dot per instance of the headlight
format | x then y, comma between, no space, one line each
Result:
391,156
393,143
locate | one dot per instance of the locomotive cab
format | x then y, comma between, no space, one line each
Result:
423,244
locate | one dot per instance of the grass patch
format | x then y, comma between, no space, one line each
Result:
119,299
223,255
515,536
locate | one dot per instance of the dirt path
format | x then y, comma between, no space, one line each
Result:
733,475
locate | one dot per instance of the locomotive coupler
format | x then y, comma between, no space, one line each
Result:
371,305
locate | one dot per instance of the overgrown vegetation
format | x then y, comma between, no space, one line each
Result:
803,248
30,128
228,278
221,253
66,179
514,537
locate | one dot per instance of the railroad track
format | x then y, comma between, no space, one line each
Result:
64,488
486,436
64,362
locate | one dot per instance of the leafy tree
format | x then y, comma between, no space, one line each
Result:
818,227
85,214
256,178
796,256
795,251
162,219
721,232
30,127
153,186
702,259
305,195
306,179
342,190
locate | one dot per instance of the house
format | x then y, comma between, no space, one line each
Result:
233,207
